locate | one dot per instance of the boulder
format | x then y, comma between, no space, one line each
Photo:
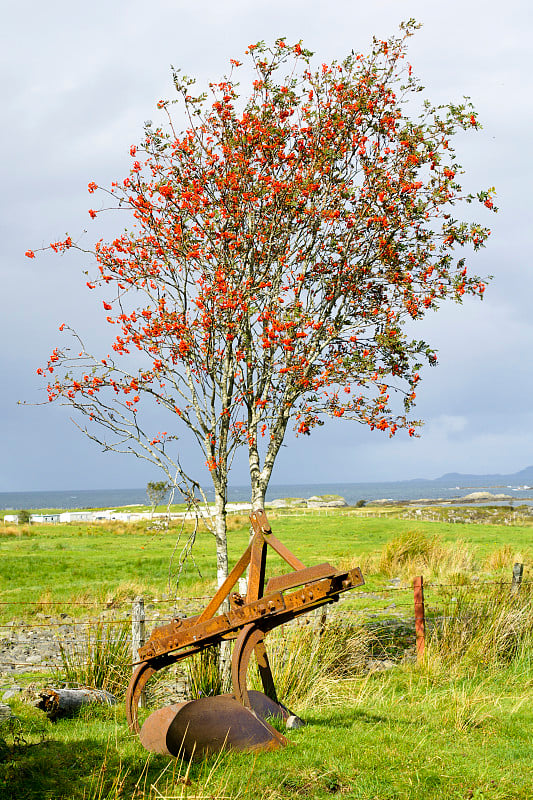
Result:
287,502
326,501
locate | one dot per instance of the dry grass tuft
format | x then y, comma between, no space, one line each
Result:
126,591
488,630
237,522
502,558
468,708
99,660
308,663
414,553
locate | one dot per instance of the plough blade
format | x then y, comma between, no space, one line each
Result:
200,727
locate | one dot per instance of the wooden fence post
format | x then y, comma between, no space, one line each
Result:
420,617
518,571
138,636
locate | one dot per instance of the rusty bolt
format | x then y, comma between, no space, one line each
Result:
236,599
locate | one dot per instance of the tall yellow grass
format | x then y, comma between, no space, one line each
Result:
414,553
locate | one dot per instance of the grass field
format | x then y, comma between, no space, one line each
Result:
457,725
101,562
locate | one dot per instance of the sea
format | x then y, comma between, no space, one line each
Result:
352,493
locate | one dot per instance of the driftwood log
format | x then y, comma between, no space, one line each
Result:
58,703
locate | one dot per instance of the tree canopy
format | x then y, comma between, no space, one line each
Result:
279,245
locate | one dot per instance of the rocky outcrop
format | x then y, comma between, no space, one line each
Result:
317,501
326,501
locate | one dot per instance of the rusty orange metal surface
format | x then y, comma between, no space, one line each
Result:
200,727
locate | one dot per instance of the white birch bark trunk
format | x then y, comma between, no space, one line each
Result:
221,539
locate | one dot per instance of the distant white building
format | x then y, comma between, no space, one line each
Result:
76,516
47,518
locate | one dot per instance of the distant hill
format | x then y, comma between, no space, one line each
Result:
525,476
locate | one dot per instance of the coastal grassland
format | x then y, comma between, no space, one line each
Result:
457,725
414,731
106,562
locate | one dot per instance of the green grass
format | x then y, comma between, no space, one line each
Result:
104,562
401,734
456,726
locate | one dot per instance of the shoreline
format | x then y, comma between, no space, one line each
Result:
132,513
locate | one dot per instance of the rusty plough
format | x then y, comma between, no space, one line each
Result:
238,721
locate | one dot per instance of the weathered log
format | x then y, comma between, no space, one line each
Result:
58,703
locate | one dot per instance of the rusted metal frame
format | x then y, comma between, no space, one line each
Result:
173,637
312,596
293,579
226,587
256,589
263,534
260,522
246,642
256,571
284,552
325,589
261,525
275,606
140,678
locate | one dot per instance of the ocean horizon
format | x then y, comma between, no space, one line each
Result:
352,493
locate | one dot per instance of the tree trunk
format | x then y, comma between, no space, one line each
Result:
221,538
260,478
59,703
258,497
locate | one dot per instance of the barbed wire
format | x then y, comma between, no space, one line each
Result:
107,605
371,590
86,622
94,621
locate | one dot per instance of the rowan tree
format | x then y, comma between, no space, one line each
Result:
279,245
157,491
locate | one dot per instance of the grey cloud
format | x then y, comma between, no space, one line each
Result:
81,81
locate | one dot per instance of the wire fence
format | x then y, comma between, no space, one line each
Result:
28,644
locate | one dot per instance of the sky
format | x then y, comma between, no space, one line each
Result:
80,80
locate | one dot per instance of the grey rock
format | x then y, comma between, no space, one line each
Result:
326,502
13,691
287,502
5,711
377,665
293,722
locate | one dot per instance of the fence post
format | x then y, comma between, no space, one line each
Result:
138,636
518,571
321,618
420,617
